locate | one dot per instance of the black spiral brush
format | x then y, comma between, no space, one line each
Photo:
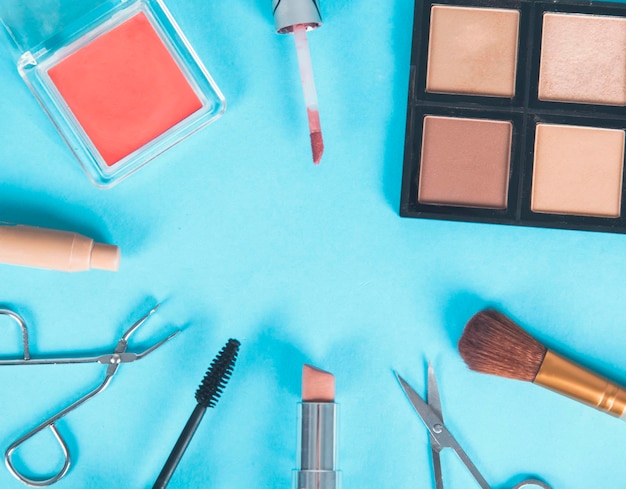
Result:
207,395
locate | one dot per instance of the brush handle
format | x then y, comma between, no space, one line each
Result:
180,447
561,375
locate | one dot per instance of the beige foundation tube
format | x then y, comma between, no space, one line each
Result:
55,250
561,375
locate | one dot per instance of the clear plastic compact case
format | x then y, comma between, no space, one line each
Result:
117,78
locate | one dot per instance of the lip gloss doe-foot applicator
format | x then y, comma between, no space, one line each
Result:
317,432
296,17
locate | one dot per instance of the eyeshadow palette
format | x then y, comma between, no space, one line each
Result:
517,114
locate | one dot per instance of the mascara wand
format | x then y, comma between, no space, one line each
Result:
207,395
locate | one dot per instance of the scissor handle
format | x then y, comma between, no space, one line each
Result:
38,482
22,324
532,483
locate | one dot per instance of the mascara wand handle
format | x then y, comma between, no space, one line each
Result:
180,447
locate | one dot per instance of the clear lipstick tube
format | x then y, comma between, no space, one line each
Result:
317,446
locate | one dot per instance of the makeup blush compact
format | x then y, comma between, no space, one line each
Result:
517,114
118,79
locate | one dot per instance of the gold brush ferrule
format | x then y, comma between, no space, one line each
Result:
570,379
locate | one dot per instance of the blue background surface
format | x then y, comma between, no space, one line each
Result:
239,235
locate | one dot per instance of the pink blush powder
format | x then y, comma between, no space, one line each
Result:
125,88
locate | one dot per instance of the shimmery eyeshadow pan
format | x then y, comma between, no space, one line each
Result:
583,59
516,114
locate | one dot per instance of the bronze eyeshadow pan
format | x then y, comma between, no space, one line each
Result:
458,168
516,114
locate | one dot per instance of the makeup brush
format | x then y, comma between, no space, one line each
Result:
493,344
207,395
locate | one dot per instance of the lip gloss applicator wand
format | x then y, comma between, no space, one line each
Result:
296,17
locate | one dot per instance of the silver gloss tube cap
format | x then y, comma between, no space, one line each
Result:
317,447
288,13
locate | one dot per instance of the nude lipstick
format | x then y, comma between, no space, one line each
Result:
317,432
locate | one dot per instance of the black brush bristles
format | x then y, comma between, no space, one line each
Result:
493,344
207,396
217,375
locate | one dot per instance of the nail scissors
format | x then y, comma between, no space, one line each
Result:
441,438
112,360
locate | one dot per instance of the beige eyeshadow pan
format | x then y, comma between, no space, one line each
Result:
583,59
577,170
473,51
465,162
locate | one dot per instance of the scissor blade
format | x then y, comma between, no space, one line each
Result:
429,417
434,401
439,433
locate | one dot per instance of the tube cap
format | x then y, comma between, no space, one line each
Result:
288,13
105,257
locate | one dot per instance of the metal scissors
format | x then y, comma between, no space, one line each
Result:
112,360
441,438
